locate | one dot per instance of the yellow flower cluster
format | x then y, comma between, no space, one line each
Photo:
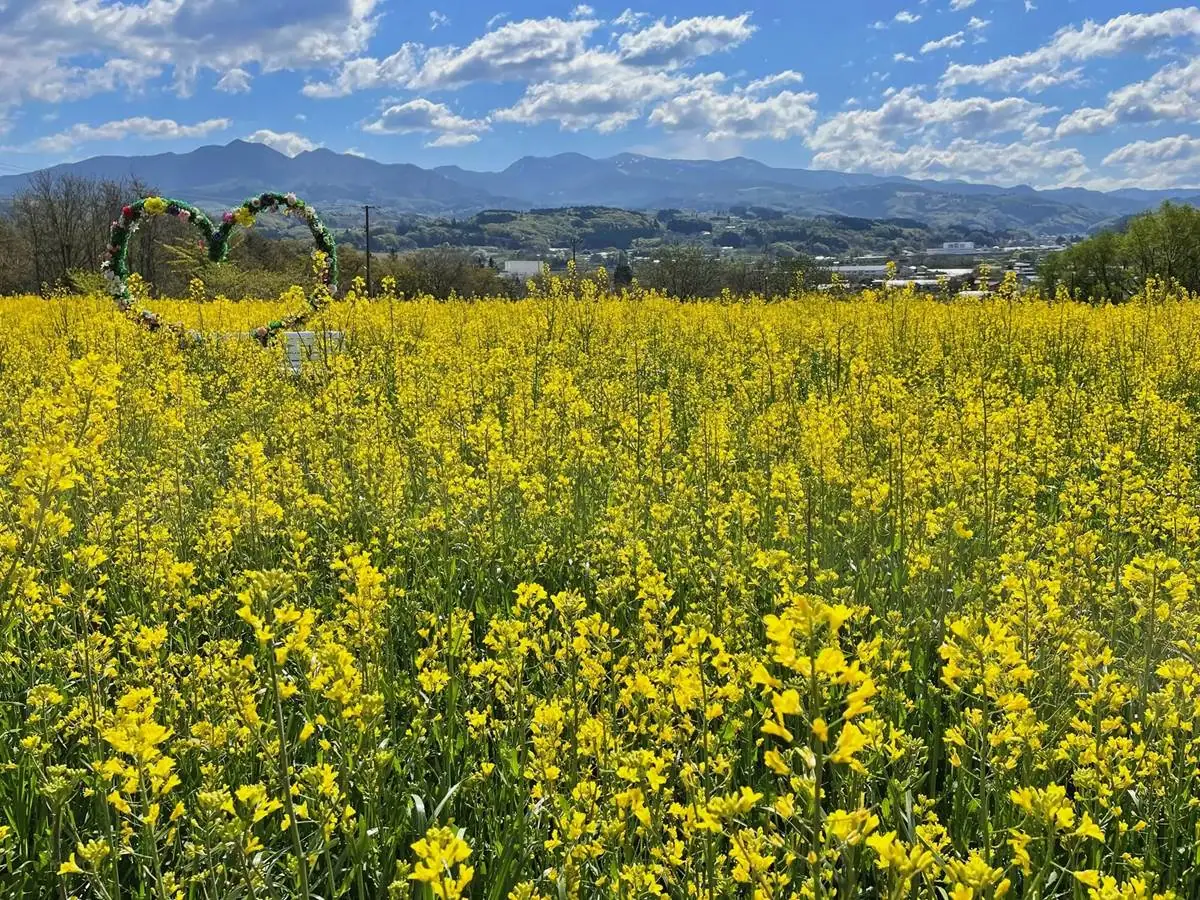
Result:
581,597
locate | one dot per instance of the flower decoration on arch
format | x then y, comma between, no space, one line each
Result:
115,266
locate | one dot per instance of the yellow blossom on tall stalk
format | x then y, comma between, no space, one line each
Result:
440,856
833,597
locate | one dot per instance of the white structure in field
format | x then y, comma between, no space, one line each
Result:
311,345
523,268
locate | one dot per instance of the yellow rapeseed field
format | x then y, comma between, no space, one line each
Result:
878,597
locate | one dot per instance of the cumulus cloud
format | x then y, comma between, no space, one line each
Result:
52,49
235,81
437,19
366,73
946,137
904,17
721,116
950,40
289,143
906,115
1170,94
1057,61
606,105
983,161
788,76
957,5
1169,149
517,50
1167,162
137,127
453,140
661,44
630,19
422,116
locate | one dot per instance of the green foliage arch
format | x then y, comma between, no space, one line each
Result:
115,266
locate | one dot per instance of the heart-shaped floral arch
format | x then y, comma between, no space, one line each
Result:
115,266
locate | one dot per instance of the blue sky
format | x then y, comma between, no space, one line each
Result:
1104,93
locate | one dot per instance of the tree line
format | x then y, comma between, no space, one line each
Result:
53,236
1113,265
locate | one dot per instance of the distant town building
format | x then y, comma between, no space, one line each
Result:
914,282
955,248
523,268
860,271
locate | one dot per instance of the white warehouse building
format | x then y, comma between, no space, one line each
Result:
523,268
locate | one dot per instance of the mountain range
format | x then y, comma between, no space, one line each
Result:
217,176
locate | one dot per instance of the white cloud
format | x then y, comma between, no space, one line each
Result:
904,17
453,140
906,116
51,47
437,20
354,151
981,161
366,73
235,81
1167,162
719,116
1170,94
137,127
423,116
517,50
583,11
607,90
945,137
1170,149
496,19
606,104
1085,120
950,40
1050,64
661,44
787,76
902,57
977,24
289,143
957,5
630,19
39,77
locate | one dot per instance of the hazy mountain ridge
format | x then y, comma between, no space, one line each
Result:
221,175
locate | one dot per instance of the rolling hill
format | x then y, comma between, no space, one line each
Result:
220,175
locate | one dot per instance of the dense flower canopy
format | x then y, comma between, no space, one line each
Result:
596,597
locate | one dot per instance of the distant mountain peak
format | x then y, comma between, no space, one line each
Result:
219,174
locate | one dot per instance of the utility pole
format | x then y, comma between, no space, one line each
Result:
367,211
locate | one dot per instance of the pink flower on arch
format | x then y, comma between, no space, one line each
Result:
184,215
228,217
